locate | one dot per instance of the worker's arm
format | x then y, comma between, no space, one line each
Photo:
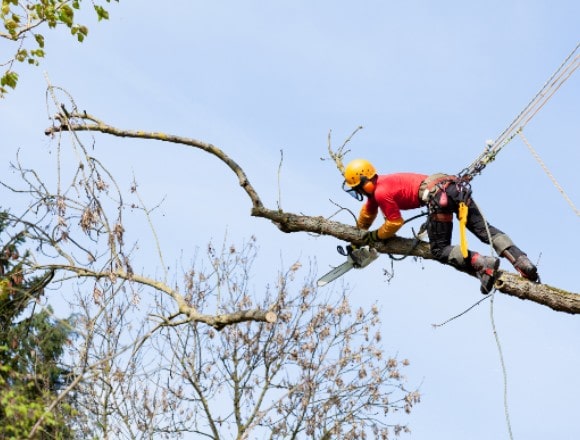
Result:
366,216
387,230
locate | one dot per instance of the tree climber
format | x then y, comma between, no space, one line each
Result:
443,195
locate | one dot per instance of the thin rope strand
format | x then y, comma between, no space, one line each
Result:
503,366
459,315
549,174
496,337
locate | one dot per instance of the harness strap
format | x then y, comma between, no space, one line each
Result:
444,217
432,184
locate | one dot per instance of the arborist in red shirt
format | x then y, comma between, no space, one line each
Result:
444,195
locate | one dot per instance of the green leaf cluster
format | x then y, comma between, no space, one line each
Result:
8,79
23,18
19,410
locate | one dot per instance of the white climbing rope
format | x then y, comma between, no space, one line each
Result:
549,173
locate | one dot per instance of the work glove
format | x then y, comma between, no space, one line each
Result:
386,231
372,237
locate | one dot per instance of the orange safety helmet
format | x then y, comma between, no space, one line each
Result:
358,175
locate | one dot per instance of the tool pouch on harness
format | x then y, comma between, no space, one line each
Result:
436,183
431,186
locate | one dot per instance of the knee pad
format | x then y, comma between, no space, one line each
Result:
456,259
501,242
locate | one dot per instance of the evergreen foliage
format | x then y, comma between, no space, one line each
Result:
32,342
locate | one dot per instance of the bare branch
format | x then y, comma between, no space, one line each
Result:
218,321
77,122
338,156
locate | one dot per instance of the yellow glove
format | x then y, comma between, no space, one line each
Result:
387,230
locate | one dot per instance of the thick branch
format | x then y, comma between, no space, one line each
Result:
507,283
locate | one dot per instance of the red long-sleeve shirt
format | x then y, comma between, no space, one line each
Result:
393,193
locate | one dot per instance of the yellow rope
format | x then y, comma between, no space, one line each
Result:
547,171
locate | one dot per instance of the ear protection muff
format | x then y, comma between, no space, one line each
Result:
366,184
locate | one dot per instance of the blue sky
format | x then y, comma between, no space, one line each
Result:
430,82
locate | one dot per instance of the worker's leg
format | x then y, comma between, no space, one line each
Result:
440,233
476,224
440,228
501,242
440,240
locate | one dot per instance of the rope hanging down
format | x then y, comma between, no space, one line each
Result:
566,69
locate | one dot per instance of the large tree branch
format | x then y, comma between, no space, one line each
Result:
508,283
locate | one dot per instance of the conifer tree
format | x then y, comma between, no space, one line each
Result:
32,343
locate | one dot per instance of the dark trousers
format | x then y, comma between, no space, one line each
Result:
440,223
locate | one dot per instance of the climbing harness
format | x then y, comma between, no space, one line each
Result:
437,184
432,185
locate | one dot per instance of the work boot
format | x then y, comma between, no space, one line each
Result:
485,268
526,268
522,263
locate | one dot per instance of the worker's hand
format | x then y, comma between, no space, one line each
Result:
371,237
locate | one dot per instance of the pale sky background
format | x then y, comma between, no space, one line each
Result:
430,82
